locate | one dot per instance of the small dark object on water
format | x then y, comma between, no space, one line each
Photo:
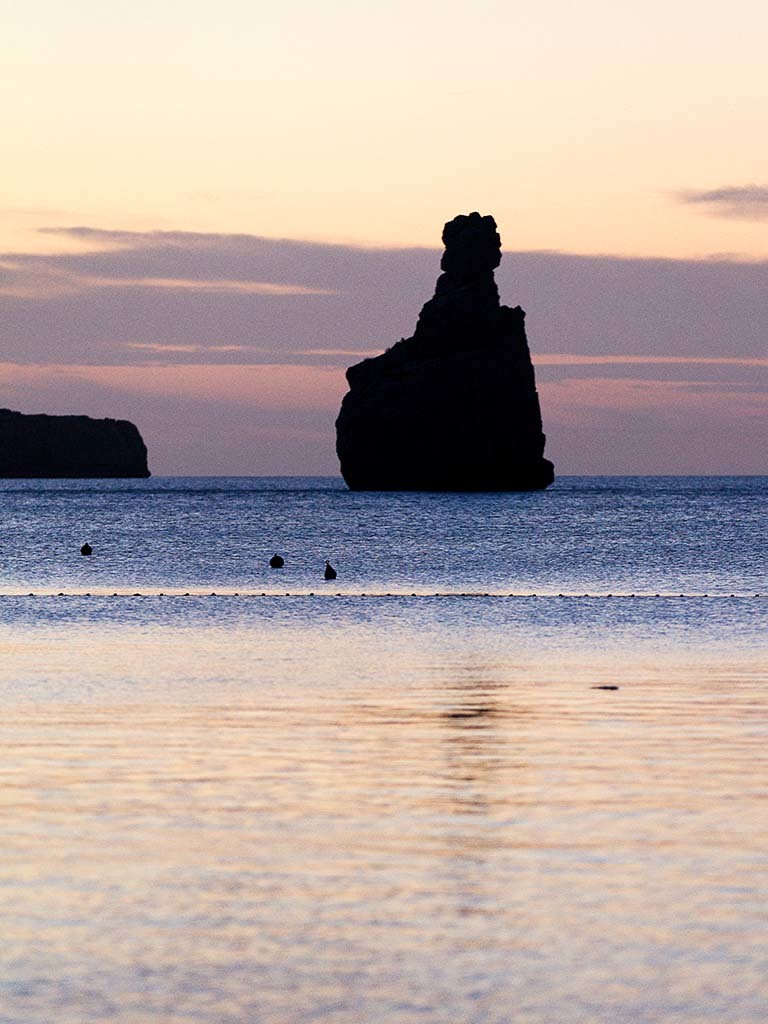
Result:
276,562
86,549
605,687
330,572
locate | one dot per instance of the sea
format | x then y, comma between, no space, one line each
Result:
511,765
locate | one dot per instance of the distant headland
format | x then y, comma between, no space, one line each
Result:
69,446
455,407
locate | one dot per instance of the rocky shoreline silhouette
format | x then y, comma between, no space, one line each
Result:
39,445
455,407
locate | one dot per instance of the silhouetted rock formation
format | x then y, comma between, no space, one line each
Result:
69,446
454,407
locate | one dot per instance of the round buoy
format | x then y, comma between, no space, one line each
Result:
86,549
276,562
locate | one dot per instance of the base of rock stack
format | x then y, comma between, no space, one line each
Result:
457,422
534,479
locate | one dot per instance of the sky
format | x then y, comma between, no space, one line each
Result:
210,210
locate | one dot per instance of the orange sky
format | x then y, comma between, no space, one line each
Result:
592,128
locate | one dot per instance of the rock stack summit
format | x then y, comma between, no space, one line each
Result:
455,407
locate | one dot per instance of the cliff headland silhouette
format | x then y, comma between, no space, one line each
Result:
455,407
69,447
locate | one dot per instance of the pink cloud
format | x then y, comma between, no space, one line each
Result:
263,386
42,282
578,399
278,419
619,425
568,359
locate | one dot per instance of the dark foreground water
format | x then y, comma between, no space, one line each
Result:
396,797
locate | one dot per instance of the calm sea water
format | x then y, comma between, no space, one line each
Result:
398,796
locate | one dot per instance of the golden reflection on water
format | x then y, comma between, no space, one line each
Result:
341,824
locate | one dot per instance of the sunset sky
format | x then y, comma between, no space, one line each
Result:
210,210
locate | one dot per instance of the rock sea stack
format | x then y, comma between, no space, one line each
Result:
69,447
455,407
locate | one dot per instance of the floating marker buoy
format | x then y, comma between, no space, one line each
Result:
276,562
86,549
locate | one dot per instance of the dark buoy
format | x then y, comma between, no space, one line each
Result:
330,572
86,549
276,562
